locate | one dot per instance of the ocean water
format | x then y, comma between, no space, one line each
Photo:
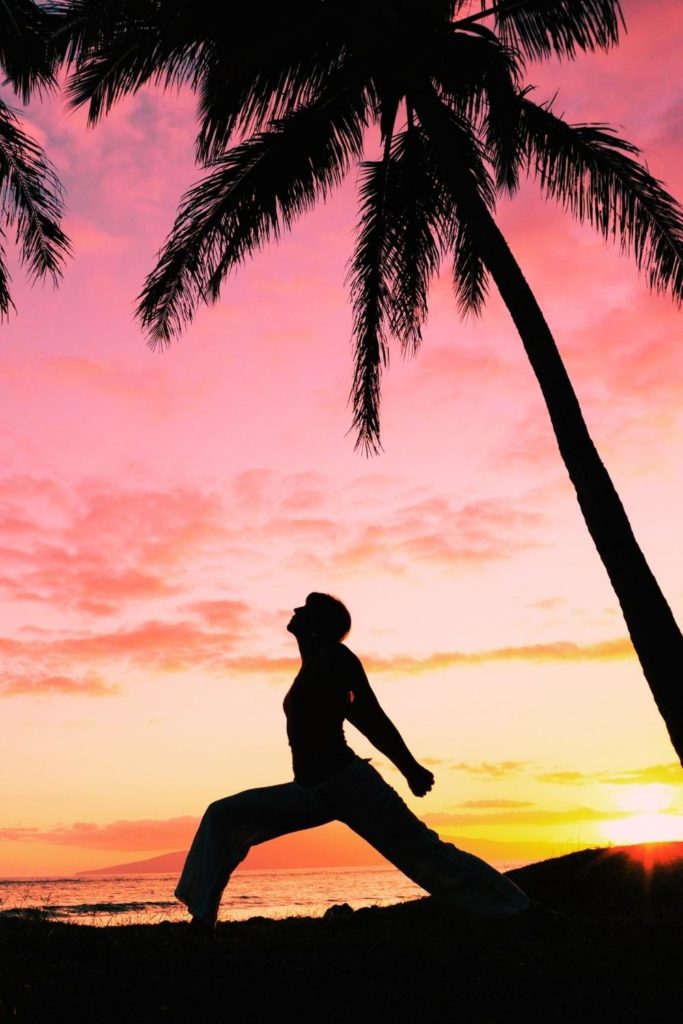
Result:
148,898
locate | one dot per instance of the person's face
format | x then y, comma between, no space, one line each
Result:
301,622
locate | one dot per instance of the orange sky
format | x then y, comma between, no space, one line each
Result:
161,515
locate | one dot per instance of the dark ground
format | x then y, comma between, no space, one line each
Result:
614,957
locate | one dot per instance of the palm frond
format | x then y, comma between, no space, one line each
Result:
121,67
460,167
244,94
31,199
501,77
546,28
251,194
594,175
477,77
255,77
371,301
24,54
396,255
459,65
470,276
245,77
113,48
80,27
417,210
6,303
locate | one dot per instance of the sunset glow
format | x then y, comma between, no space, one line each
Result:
643,828
652,815
160,515
644,799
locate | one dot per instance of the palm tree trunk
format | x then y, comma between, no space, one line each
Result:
653,630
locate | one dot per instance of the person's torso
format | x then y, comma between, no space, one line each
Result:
315,708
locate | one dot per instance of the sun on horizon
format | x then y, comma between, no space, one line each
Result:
652,816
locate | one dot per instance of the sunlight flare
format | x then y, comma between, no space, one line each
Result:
644,828
644,800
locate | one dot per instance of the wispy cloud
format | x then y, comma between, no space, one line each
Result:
96,547
35,684
211,645
491,769
137,574
495,804
535,816
144,834
561,650
668,774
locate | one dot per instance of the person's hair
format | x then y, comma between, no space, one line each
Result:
332,619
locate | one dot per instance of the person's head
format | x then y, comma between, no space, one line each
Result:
323,618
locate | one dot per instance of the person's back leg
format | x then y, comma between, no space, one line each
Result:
229,828
366,803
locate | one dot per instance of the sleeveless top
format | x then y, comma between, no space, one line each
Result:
315,707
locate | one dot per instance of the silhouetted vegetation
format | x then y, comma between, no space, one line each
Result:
30,192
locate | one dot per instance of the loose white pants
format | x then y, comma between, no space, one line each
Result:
358,796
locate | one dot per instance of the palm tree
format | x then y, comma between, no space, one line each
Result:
30,193
286,93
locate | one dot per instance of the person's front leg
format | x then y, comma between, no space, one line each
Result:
229,828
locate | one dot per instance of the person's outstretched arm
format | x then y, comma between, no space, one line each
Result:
366,714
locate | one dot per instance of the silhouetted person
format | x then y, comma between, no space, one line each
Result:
331,783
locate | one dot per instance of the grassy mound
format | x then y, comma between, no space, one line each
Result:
612,955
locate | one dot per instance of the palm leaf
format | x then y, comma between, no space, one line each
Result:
250,195
245,94
23,46
267,76
543,28
592,173
460,167
114,48
244,76
477,77
417,211
369,275
396,255
6,303
470,276
31,199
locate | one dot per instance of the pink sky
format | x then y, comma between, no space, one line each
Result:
161,514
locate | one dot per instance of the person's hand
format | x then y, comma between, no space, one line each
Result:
420,780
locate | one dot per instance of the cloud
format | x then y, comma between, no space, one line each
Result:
495,804
168,646
435,531
217,613
558,651
96,548
212,646
537,816
669,774
92,590
35,684
492,769
111,575
568,778
154,645
145,834
666,773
